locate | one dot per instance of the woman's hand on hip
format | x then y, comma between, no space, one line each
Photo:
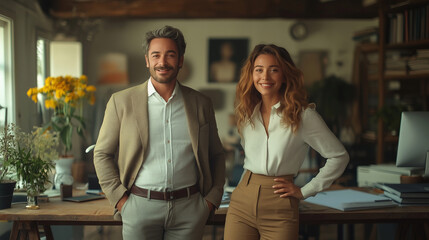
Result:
287,188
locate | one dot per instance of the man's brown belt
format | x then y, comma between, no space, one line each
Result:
167,195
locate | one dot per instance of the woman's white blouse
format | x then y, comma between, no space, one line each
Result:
282,152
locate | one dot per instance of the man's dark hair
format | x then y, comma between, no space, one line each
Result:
166,32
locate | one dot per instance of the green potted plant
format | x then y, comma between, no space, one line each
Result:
333,96
7,176
391,117
31,157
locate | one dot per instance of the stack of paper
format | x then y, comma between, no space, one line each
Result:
368,176
348,200
407,193
225,200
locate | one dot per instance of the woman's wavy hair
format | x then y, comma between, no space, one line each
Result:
293,96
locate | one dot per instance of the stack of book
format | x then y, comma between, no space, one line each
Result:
397,62
420,63
411,193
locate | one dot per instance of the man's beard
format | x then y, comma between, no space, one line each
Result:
164,79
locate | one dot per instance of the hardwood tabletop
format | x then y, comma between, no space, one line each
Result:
56,210
99,212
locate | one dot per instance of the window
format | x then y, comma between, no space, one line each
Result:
6,77
42,72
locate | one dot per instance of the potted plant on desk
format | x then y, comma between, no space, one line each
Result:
7,176
31,157
66,96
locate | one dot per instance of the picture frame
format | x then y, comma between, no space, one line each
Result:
226,57
312,63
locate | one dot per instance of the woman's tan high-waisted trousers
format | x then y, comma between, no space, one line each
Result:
256,212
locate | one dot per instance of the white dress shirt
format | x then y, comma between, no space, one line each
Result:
170,162
282,152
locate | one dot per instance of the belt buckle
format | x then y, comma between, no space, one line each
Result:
168,195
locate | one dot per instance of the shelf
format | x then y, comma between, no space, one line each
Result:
406,5
371,136
407,76
376,74
417,44
368,47
374,77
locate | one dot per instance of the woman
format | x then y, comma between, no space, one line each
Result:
277,126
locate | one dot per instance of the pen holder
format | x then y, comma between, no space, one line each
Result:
66,191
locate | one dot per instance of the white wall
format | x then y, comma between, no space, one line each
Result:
66,58
126,36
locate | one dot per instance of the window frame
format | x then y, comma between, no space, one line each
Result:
8,86
43,114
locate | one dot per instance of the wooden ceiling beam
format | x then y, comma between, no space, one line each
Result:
68,9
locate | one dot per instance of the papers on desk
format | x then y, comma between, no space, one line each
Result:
225,200
349,200
52,192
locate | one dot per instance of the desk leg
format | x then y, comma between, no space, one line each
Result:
48,232
401,231
340,232
24,230
413,231
15,231
426,226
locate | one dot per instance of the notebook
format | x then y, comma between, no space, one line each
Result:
348,200
84,198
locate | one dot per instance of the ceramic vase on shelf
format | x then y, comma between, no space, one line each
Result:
32,203
63,172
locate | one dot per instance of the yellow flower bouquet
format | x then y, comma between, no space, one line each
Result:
65,95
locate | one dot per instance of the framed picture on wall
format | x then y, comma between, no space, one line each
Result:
312,64
226,57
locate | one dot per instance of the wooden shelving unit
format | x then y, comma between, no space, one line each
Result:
373,87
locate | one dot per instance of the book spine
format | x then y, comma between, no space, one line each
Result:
407,26
427,21
400,28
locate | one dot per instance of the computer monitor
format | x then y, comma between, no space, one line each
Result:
413,144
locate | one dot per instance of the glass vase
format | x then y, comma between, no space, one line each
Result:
32,201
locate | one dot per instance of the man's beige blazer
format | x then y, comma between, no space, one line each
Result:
123,140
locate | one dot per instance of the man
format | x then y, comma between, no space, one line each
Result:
170,166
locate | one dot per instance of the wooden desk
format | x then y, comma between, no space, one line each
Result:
57,212
99,212
316,214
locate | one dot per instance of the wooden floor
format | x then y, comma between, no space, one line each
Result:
326,232
114,232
